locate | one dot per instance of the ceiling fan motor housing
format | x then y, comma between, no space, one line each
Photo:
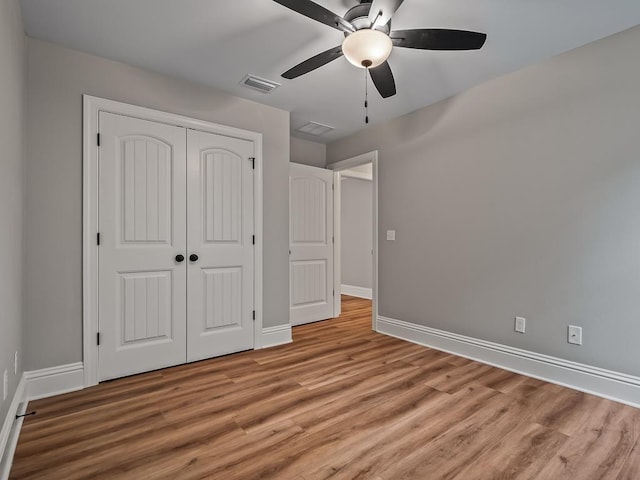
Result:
358,16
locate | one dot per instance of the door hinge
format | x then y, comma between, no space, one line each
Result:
254,240
334,293
98,238
254,315
253,162
98,139
98,338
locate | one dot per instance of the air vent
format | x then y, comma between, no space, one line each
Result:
260,84
315,129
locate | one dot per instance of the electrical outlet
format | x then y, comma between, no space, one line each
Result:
15,363
520,324
574,335
5,385
391,235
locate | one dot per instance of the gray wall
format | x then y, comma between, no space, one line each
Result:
520,197
12,135
308,153
57,78
356,231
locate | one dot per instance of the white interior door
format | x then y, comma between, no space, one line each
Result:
311,244
176,254
220,232
142,224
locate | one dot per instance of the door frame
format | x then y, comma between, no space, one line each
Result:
337,167
92,106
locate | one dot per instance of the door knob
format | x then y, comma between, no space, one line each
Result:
193,257
179,258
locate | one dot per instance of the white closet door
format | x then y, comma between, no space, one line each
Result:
142,224
220,237
311,243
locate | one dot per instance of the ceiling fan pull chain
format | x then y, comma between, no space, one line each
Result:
366,96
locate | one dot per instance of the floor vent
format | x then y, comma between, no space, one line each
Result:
260,84
315,129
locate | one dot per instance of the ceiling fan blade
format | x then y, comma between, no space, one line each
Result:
313,63
382,78
438,39
316,12
382,11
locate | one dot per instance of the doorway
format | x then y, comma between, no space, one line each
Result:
356,231
362,265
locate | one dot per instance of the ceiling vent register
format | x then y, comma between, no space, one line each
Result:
315,129
260,84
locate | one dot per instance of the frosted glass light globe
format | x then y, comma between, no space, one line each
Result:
367,48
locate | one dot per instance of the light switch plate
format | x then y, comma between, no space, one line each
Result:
391,234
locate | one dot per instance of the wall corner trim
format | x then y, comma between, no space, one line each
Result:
54,381
11,429
360,292
278,335
608,384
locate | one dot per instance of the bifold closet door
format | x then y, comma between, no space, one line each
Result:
220,235
142,222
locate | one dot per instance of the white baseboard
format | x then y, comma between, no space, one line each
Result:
11,430
359,292
54,381
612,385
34,385
278,335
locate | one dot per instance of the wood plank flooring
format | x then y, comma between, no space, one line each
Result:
341,402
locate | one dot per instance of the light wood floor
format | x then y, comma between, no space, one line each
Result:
340,402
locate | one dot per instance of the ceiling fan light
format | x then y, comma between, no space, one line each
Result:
367,48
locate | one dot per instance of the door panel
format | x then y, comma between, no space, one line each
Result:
309,207
308,282
142,200
222,290
145,307
146,187
222,196
220,232
311,243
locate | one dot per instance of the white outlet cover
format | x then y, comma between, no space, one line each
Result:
520,324
574,335
391,235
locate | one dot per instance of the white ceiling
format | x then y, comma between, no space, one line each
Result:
217,42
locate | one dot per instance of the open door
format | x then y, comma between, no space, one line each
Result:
311,244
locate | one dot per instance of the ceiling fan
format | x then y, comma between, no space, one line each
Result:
369,39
